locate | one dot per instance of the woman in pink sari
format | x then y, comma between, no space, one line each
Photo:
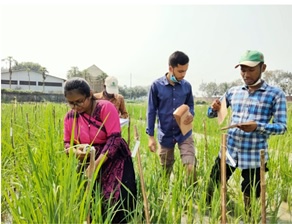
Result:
96,122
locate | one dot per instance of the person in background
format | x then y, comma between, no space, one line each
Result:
257,103
87,117
111,93
166,94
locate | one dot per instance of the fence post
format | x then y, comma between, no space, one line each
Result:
223,178
263,187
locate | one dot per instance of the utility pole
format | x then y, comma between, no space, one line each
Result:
130,85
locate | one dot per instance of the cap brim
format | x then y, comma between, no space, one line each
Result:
248,63
111,90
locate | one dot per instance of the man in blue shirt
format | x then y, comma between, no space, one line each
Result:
257,103
166,95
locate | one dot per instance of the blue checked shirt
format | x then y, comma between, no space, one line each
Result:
163,99
260,106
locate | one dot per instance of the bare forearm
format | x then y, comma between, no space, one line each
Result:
101,159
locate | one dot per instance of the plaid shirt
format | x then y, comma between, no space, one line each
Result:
259,106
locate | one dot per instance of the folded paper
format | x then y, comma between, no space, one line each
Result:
223,111
180,115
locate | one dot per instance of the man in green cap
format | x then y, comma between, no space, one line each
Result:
253,106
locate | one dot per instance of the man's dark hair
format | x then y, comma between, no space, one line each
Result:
178,58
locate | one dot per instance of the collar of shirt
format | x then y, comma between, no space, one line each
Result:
106,96
166,82
263,87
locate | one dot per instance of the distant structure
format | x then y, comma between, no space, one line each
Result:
94,78
32,81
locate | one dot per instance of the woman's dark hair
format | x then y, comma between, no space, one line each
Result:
178,58
77,84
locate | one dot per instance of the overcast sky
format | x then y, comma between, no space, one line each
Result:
133,42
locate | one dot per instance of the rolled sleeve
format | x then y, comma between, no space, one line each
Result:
211,113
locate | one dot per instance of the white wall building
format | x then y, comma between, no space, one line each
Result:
32,81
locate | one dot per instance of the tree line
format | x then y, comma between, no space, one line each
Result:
280,78
277,78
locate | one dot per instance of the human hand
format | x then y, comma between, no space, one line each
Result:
152,144
89,171
66,151
189,119
248,127
80,154
91,168
79,151
216,105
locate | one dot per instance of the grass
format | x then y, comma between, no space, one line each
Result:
39,183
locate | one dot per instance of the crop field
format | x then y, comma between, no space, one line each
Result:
39,182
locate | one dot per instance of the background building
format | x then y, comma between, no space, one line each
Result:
95,78
32,81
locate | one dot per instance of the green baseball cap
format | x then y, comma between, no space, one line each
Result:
251,58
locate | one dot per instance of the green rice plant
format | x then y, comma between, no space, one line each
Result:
39,161
39,182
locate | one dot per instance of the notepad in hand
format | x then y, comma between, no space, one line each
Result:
124,121
180,115
237,125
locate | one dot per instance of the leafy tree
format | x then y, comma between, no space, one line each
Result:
102,77
281,79
202,88
73,72
237,82
223,87
123,91
139,91
11,61
133,92
286,83
31,65
278,78
212,89
268,76
209,89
